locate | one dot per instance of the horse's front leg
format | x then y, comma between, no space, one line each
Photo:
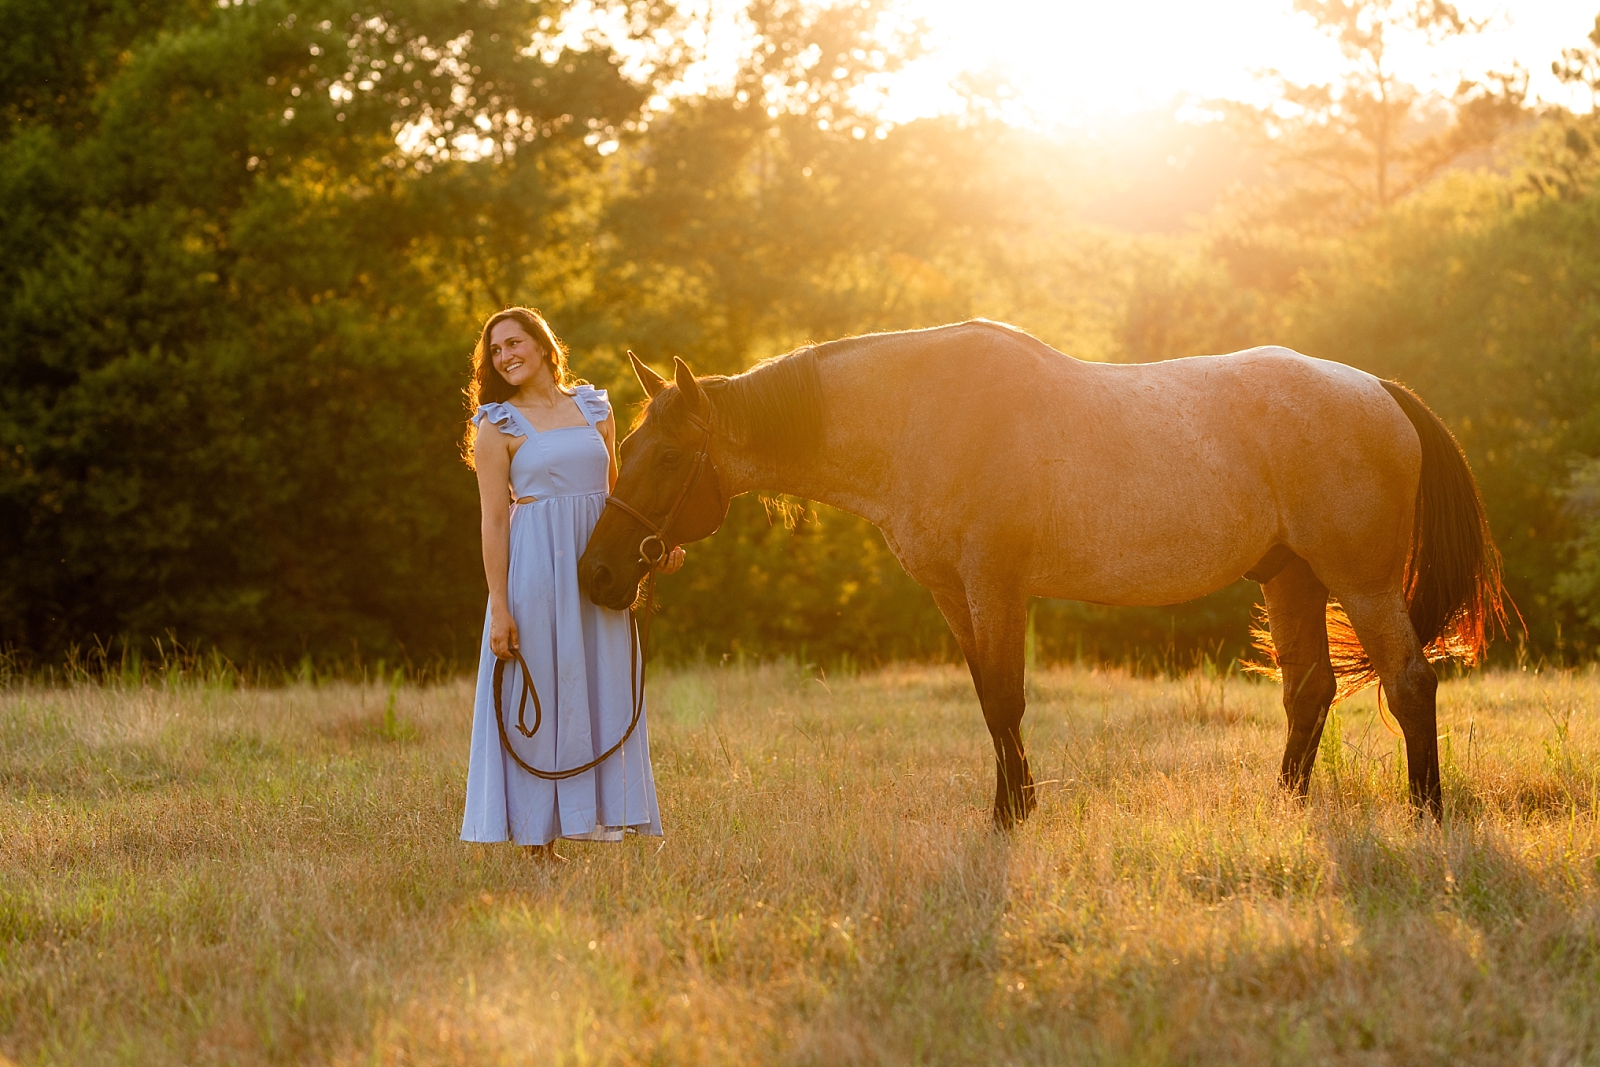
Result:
999,629
953,606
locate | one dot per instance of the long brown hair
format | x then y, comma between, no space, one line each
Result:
488,387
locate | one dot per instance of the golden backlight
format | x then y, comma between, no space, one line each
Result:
1071,61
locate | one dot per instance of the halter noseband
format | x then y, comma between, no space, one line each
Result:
658,533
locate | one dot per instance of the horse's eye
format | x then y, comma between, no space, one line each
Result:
670,458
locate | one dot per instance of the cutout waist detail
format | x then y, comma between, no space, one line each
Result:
520,500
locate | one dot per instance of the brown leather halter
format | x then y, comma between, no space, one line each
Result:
638,634
658,533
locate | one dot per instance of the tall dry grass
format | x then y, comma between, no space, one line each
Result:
192,873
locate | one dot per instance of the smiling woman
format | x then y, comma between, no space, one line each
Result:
544,448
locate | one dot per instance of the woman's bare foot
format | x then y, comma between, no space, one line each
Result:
545,853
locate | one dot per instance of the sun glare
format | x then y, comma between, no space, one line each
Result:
1074,61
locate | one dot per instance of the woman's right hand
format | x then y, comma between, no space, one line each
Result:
502,635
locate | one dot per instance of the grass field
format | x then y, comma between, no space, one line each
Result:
192,873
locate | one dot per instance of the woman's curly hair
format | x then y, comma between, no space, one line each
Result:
488,387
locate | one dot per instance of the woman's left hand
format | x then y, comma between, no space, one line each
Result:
674,561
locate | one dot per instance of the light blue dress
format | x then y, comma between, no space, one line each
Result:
577,652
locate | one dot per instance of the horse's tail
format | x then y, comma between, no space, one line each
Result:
1452,580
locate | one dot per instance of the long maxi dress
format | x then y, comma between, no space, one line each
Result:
577,652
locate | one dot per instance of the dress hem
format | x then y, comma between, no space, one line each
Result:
599,833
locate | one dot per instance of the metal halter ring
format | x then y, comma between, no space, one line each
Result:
661,554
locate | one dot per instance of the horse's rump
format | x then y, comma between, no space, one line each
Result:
1452,580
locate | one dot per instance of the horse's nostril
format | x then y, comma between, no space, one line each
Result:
600,578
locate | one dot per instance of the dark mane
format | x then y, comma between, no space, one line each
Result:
774,408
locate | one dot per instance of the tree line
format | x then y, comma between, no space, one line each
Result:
244,248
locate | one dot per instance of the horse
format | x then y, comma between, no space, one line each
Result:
998,468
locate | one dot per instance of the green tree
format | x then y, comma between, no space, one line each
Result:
1370,139
1577,588
230,360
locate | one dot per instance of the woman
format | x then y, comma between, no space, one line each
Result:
544,448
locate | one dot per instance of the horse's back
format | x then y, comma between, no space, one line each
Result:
1212,460
1158,482
1267,399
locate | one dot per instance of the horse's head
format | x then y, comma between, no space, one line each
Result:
667,491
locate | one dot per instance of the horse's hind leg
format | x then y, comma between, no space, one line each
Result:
1297,605
1384,628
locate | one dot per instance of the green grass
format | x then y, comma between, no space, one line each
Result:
195,875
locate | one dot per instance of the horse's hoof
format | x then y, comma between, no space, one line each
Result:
1007,816
1421,810
1299,791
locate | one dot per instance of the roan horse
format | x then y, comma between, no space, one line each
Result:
998,469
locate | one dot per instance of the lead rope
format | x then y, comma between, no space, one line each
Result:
639,635
638,640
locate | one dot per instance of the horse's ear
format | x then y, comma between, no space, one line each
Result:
683,377
653,383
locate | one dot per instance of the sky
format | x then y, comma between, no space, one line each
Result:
1073,61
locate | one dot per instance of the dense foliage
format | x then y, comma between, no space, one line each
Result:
243,248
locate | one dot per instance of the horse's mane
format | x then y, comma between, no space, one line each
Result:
774,408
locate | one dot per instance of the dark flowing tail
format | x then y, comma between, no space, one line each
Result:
1452,577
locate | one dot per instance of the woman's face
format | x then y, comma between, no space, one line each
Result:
515,354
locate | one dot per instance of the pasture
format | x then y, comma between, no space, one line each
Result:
196,873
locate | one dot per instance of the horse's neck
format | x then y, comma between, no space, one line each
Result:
850,470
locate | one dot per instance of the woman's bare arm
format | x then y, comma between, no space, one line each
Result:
608,432
491,455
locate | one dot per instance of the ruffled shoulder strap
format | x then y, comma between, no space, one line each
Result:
503,417
596,407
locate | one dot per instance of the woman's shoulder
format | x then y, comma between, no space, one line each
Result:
594,403
499,414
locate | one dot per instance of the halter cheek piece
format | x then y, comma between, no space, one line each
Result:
655,546
652,551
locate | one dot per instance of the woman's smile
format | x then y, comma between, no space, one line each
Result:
514,352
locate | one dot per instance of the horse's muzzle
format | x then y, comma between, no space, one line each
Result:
605,588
